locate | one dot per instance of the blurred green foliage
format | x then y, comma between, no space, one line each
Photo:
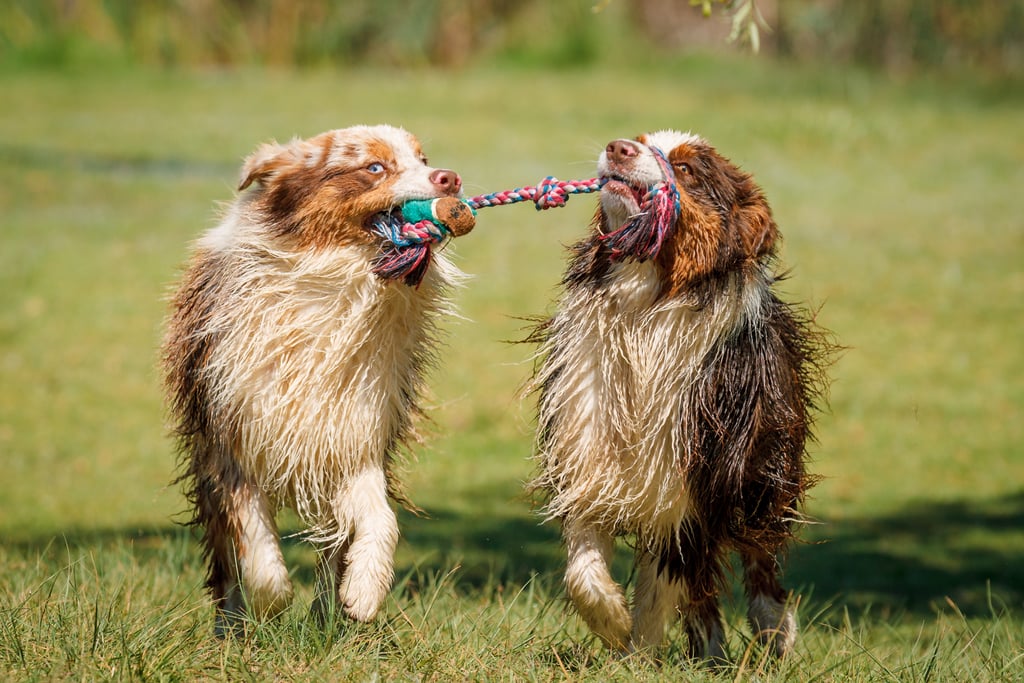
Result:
982,34
304,32
986,34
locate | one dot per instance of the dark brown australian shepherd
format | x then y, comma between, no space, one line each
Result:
293,369
676,395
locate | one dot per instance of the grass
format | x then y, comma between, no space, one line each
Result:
898,206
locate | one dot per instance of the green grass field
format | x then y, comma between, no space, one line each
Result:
899,210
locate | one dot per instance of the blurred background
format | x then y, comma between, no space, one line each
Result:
895,35
887,134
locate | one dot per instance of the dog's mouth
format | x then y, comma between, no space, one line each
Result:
392,214
621,197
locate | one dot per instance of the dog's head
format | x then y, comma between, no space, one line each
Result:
723,221
324,191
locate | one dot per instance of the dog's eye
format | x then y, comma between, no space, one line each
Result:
376,168
683,167
424,160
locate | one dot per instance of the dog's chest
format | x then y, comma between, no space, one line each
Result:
321,363
621,366
646,352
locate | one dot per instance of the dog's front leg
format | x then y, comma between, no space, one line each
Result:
598,599
363,507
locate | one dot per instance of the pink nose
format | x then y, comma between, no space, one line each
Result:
447,181
621,150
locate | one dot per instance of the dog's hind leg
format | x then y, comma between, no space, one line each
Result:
219,531
702,621
247,574
598,599
771,618
654,601
366,570
701,576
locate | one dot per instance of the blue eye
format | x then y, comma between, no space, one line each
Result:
375,168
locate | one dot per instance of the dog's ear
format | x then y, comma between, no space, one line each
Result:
756,227
753,228
268,159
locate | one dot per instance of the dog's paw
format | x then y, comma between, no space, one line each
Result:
774,624
362,600
362,608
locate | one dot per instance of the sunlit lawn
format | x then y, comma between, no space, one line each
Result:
898,203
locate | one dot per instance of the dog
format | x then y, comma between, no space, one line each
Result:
676,392
293,369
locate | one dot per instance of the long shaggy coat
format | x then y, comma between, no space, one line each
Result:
293,370
676,394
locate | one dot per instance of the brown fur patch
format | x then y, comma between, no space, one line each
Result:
332,212
319,203
693,250
724,219
377,150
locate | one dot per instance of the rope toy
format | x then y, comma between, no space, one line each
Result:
410,231
641,238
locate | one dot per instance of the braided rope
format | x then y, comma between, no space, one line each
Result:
407,234
667,185
406,252
548,193
407,249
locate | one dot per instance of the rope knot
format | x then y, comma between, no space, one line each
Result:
550,192
420,232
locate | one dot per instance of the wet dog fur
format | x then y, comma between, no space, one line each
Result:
676,396
293,371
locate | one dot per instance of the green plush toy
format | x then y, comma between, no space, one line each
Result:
450,213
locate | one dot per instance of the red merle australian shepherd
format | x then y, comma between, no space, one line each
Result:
293,369
676,396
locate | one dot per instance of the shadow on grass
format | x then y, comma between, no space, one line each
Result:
919,558
909,562
503,549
